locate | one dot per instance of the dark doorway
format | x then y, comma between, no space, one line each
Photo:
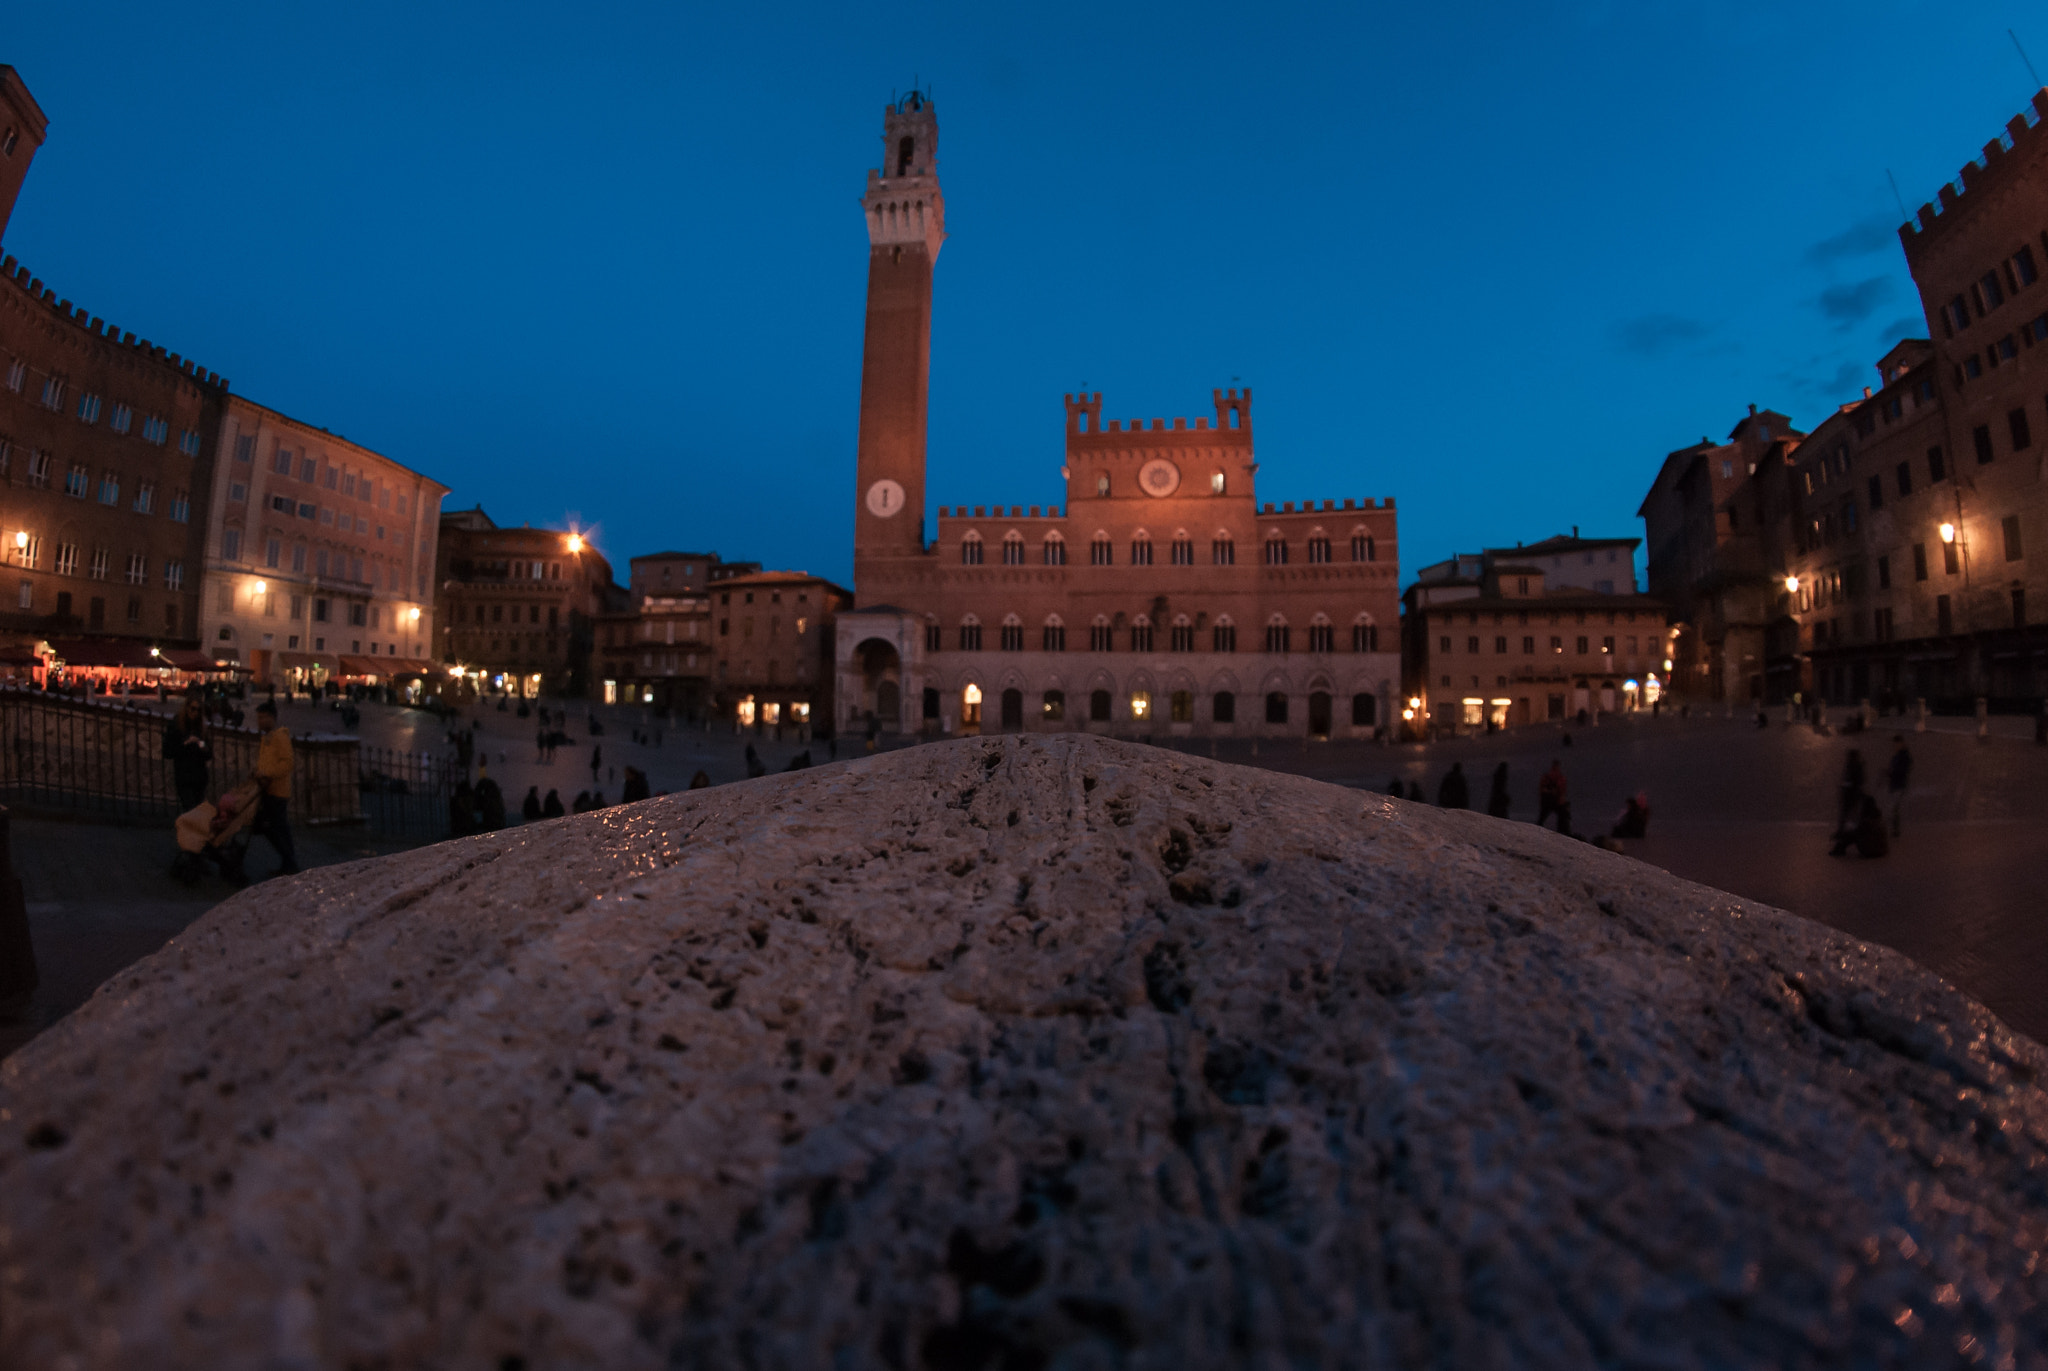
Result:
1098,707
1013,710
1364,711
1276,707
1223,707
1319,714
889,705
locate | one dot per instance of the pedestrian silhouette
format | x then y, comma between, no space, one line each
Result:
1453,792
1415,792
529,808
1396,789
1553,796
700,781
1497,801
1897,773
551,808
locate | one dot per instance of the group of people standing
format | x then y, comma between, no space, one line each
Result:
1553,799
1860,822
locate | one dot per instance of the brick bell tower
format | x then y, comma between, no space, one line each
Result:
906,224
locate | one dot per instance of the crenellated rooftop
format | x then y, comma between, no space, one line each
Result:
1999,165
79,316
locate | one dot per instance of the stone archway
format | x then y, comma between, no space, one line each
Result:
881,683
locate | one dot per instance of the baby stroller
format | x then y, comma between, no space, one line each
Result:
219,833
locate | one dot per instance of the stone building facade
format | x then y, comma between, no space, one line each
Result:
320,556
518,607
773,647
1159,598
1528,634
657,650
1897,547
1707,559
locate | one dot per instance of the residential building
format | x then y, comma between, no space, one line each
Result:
1159,597
657,650
1706,558
107,450
1977,629
1890,558
774,642
1489,639
518,607
320,556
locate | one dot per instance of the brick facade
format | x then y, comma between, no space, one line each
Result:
1158,598
518,607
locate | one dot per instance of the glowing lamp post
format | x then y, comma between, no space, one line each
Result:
1948,533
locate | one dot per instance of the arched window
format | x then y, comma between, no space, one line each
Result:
970,549
1183,639
1054,708
1054,549
1216,483
1098,706
1102,483
1013,548
1141,634
1318,546
1223,707
906,150
1365,634
1276,634
1013,633
1276,706
934,636
1099,634
1223,634
1101,552
970,634
1141,548
1362,546
1183,548
1276,549
1223,549
1322,636
1054,634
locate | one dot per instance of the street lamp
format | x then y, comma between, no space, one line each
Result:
1792,584
259,587
1948,532
575,542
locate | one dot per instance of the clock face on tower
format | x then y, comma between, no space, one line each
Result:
1159,477
885,497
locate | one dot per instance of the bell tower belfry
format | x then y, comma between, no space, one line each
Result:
906,217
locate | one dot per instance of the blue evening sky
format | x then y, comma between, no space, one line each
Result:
607,263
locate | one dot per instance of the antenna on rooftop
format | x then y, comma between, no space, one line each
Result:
1900,199
2023,57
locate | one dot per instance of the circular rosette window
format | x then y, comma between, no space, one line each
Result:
1159,477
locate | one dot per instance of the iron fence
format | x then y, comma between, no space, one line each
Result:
106,757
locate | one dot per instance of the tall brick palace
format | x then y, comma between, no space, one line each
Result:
1160,599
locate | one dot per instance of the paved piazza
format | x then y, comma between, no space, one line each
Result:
1732,806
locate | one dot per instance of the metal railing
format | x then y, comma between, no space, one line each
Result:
106,757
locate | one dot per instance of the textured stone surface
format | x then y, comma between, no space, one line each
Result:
1008,1053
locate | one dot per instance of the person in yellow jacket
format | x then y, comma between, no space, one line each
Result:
274,774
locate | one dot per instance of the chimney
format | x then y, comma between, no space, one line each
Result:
1575,530
1866,392
1752,410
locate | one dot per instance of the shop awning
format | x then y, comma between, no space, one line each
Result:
352,664
188,659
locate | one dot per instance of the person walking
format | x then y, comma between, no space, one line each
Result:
190,756
1897,772
551,808
490,803
529,808
1553,796
1396,789
274,763
596,763
1453,793
1497,802
755,767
